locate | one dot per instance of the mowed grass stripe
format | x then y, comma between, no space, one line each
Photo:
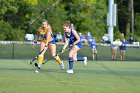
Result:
102,77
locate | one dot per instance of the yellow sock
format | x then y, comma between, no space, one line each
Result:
40,59
58,60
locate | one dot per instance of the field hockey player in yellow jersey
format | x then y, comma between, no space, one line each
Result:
47,42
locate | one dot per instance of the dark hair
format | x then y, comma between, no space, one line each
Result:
67,23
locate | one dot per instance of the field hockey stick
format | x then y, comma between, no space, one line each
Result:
37,55
42,13
55,55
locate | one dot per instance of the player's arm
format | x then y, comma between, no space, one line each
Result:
35,38
66,43
37,35
48,35
77,37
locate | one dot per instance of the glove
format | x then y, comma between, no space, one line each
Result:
35,42
62,50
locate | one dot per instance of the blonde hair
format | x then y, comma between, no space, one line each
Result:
45,21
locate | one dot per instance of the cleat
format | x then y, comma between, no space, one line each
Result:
85,61
70,71
62,66
36,65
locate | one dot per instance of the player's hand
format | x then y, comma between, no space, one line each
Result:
35,41
46,45
62,50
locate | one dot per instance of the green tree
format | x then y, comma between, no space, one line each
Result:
53,11
8,33
16,14
87,15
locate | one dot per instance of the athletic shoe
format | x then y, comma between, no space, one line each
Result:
70,71
85,61
36,65
62,66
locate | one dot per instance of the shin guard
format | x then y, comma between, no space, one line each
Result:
40,59
70,63
58,60
80,59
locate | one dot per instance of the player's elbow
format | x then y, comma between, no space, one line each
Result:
78,40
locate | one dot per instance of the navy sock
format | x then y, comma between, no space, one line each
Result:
70,63
80,59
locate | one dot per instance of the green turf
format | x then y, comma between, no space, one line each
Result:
17,76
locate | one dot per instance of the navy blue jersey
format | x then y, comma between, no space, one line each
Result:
93,44
123,46
72,39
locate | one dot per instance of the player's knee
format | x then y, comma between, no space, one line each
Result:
55,56
70,59
70,54
94,52
74,59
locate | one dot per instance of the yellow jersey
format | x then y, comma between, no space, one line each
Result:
43,33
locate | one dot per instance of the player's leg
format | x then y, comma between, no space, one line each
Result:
71,53
75,58
41,56
112,52
34,44
115,53
123,53
94,51
52,49
93,54
78,58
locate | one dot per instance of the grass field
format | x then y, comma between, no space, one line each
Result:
17,76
